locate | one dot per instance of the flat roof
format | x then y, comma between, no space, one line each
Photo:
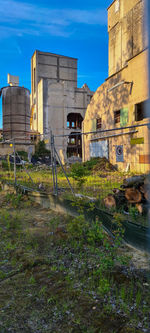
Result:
53,54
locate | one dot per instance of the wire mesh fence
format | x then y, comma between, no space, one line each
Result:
114,169
110,167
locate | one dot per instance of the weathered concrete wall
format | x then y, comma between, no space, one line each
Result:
126,29
103,105
55,95
55,67
6,149
16,113
40,107
58,101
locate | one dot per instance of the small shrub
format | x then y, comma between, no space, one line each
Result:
78,173
23,154
14,199
77,227
104,286
40,149
95,233
5,165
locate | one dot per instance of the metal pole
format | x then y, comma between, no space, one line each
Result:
25,169
56,184
14,162
64,171
52,158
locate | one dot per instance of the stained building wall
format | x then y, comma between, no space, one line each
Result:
132,89
55,94
126,28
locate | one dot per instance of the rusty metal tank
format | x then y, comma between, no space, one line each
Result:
16,114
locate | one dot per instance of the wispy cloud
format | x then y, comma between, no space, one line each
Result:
33,19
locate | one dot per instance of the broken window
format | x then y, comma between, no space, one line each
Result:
140,111
74,120
98,123
74,147
117,117
72,141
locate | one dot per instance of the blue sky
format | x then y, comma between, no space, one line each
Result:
77,29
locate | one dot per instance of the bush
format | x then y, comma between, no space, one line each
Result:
7,166
78,173
23,155
91,163
40,150
98,164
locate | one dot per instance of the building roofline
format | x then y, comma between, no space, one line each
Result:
53,54
20,87
111,4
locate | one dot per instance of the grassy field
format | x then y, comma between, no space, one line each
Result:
95,184
60,274
93,179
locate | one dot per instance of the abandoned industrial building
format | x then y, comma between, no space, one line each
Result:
56,102
120,101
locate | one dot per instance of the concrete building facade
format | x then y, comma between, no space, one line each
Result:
120,101
56,102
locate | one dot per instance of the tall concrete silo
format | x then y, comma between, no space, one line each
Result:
16,113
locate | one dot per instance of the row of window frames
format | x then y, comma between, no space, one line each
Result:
140,114
69,125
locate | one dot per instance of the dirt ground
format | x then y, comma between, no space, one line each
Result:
51,282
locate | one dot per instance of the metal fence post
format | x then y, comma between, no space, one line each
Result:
52,158
14,161
55,167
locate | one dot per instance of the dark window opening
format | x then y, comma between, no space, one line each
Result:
98,123
140,111
33,138
117,117
74,147
74,120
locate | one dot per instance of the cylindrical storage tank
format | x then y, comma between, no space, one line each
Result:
16,114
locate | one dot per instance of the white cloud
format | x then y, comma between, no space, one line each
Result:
56,22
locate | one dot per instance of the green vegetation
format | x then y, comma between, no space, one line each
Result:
78,173
64,274
40,149
95,178
23,154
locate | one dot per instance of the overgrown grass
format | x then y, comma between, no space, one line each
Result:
63,274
